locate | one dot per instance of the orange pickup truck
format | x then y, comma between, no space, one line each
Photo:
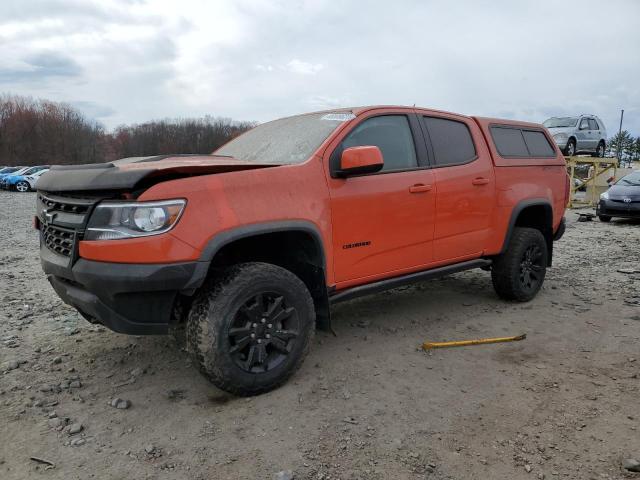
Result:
242,252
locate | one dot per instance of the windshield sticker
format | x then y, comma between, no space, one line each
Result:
338,117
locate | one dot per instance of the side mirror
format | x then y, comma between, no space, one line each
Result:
360,160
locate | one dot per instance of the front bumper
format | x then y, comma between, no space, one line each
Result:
136,299
613,208
562,142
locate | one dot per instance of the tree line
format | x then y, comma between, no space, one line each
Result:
624,146
41,132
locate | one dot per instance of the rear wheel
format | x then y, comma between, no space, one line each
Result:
599,150
250,329
604,218
23,186
518,274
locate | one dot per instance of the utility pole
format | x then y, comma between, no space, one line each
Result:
620,136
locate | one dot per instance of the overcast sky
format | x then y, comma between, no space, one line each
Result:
128,61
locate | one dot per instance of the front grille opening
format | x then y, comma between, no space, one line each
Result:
58,206
59,240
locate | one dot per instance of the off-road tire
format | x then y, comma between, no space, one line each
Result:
604,218
216,308
509,281
567,151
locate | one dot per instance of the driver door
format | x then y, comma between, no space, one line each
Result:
383,223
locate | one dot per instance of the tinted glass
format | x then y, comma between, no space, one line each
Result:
593,125
451,140
509,142
392,135
584,123
537,144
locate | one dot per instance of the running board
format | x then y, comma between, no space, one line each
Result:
395,282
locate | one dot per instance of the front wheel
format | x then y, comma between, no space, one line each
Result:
250,328
604,218
570,149
22,186
518,273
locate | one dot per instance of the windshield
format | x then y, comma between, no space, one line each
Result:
285,141
557,122
632,179
9,170
32,170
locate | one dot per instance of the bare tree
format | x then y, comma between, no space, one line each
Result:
40,132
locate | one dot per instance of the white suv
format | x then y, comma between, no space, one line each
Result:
582,134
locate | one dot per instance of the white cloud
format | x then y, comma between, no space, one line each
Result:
261,59
304,68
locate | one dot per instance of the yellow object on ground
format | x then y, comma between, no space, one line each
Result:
478,341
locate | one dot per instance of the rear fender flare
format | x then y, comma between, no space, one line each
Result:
515,213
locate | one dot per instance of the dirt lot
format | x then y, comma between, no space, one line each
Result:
367,404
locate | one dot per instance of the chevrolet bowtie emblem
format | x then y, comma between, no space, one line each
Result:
48,216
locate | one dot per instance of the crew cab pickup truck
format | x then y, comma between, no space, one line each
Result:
242,252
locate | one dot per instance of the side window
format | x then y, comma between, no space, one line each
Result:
392,135
537,144
593,125
509,142
451,141
584,123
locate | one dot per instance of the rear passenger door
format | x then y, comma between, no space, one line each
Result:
465,183
594,134
584,140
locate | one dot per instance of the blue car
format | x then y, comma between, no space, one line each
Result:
10,171
17,178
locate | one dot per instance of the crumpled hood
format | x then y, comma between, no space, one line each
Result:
135,172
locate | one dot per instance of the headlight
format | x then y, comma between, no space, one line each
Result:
560,136
604,196
115,220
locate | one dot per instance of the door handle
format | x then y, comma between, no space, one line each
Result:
480,181
420,187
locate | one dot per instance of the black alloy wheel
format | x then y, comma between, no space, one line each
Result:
530,268
263,332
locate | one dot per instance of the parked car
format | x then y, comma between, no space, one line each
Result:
244,250
10,171
11,181
622,199
581,134
25,183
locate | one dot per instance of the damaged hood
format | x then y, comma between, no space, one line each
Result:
136,172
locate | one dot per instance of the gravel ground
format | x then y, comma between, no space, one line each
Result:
367,404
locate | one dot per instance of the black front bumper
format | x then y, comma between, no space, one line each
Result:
613,208
136,299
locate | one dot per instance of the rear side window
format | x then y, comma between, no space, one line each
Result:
509,142
392,135
520,143
537,144
451,141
